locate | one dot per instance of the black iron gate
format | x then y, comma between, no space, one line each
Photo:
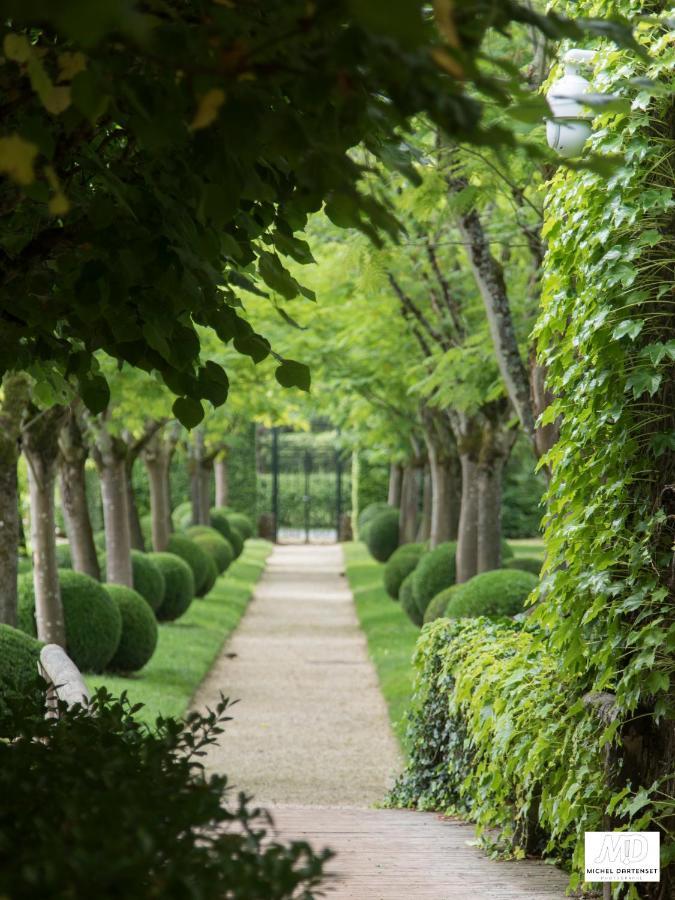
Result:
303,482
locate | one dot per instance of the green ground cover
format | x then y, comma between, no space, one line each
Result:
188,647
390,633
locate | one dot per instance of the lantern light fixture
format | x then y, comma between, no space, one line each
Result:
569,126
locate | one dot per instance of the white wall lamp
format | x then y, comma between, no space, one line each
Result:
569,127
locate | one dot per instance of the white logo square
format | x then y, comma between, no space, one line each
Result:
622,856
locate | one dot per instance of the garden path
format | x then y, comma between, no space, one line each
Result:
311,740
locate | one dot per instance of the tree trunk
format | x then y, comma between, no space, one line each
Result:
15,398
157,455
409,505
73,453
135,531
222,473
424,530
206,477
199,513
40,445
110,455
467,537
395,483
490,515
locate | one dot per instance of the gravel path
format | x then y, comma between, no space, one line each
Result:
312,726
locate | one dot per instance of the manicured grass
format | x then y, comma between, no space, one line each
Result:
390,633
527,547
188,647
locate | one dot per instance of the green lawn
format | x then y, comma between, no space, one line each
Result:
527,547
188,647
390,633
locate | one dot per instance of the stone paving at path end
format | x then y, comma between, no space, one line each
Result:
311,741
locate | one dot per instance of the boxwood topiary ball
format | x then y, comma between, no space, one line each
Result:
182,515
439,604
19,655
400,564
148,580
218,517
525,564
236,541
92,620
139,629
407,601
64,560
179,585
242,523
211,578
370,512
382,535
435,571
194,556
218,547
501,592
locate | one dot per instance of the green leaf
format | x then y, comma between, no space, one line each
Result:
276,276
95,393
628,328
293,374
188,411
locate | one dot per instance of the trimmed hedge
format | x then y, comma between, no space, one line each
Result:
211,577
147,578
242,523
194,556
381,535
407,600
218,517
501,592
399,565
179,585
370,512
435,572
93,621
439,604
19,655
236,542
525,564
212,541
139,629
507,551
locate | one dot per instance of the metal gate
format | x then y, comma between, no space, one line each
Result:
303,483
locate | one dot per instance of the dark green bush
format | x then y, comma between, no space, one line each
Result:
219,520
211,578
161,828
236,542
400,564
382,534
242,523
19,655
179,585
139,629
194,556
435,572
407,601
64,560
148,580
501,592
93,622
370,512
525,563
439,604
218,547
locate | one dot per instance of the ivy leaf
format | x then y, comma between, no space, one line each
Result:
644,381
293,374
17,157
188,411
628,328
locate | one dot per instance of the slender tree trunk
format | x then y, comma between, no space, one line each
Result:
205,479
110,453
490,515
395,483
157,455
355,498
409,505
222,473
15,398
447,499
467,537
72,458
424,530
40,445
199,513
135,531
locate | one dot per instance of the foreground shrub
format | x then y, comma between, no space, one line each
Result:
162,829
435,571
525,564
501,592
194,556
399,565
242,523
179,585
210,540
381,534
370,512
93,622
147,578
497,732
19,655
407,600
439,604
139,629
